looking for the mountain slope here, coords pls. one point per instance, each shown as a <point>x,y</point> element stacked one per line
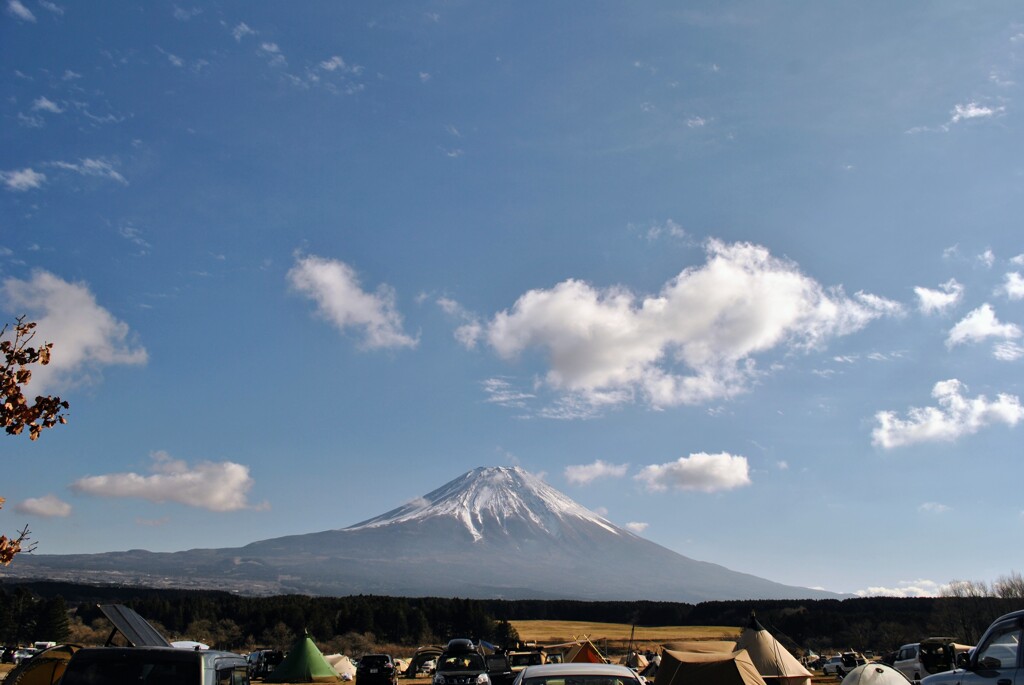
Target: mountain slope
<point>492,532</point>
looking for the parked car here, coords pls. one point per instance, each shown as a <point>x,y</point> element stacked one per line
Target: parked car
<point>578,674</point>
<point>932,655</point>
<point>24,654</point>
<point>996,659</point>
<point>155,666</point>
<point>841,664</point>
<point>520,660</point>
<point>464,663</point>
<point>376,669</point>
<point>262,661</point>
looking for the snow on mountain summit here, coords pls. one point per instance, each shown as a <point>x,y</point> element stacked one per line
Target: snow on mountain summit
<point>493,495</point>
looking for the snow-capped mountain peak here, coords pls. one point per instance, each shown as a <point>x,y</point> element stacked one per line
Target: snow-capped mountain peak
<point>494,496</point>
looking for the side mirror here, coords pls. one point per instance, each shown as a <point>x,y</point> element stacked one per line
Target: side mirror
<point>962,659</point>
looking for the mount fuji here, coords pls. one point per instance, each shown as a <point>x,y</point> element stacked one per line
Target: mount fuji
<point>494,532</point>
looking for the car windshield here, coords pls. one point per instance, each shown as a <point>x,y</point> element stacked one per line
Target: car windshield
<point>581,680</point>
<point>375,660</point>
<point>462,662</point>
<point>525,659</point>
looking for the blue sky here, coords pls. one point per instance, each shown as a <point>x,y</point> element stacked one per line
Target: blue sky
<point>743,277</point>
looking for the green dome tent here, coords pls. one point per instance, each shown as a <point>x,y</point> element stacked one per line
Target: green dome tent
<point>304,664</point>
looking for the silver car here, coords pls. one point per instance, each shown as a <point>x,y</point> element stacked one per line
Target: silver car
<point>578,674</point>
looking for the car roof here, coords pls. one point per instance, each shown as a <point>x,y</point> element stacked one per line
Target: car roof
<point>551,670</point>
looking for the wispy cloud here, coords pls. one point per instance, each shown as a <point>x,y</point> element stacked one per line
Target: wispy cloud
<point>711,320</point>
<point>44,104</point>
<point>335,287</point>
<point>637,526</point>
<point>86,337</point>
<point>99,168</point>
<point>22,179</point>
<point>47,506</point>
<point>500,391</point>
<point>16,9</point>
<point>701,471</point>
<point>905,588</point>
<point>955,417</point>
<point>931,301</point>
<point>242,30</point>
<point>584,474</point>
<point>933,508</point>
<point>215,486</point>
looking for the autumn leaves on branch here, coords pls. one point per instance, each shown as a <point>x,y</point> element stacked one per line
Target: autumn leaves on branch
<point>16,413</point>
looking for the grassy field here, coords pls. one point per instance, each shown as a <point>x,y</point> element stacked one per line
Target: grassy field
<point>616,635</point>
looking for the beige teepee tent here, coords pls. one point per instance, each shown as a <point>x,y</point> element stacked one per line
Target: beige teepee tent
<point>707,668</point>
<point>773,661</point>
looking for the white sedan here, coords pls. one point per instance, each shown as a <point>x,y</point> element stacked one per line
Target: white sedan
<point>578,674</point>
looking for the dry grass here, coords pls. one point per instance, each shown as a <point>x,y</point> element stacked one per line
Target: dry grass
<point>615,636</point>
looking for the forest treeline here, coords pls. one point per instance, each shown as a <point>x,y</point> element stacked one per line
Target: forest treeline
<point>65,612</point>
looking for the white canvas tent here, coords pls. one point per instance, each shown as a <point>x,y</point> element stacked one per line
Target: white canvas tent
<point>875,674</point>
<point>773,661</point>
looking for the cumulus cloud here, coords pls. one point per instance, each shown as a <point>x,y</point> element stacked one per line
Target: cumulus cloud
<point>16,9</point>
<point>1013,286</point>
<point>584,474</point>
<point>22,179</point>
<point>700,471</point>
<point>334,286</point>
<point>905,588</point>
<point>936,301</point>
<point>85,336</point>
<point>99,168</point>
<point>694,341</point>
<point>216,486</point>
<point>955,417</point>
<point>47,506</point>
<point>637,526</point>
<point>980,325</point>
<point>469,333</point>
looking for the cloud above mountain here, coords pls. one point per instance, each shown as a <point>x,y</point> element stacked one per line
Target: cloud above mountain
<point>694,342</point>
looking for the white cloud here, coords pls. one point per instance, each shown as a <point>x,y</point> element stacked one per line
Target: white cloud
<point>216,486</point>
<point>980,325</point>
<point>973,110</point>
<point>15,8</point>
<point>935,301</point>
<point>1013,286</point>
<point>469,333</point>
<point>905,588</point>
<point>45,104</point>
<point>1018,260</point>
<point>93,167</point>
<point>584,474</point>
<point>955,417</point>
<point>85,336</point>
<point>424,77</point>
<point>334,286</point>
<point>637,526</point>
<point>933,508</point>
<point>241,31</point>
<point>47,506</point>
<point>1007,351</point>
<point>700,471</point>
<point>987,259</point>
<point>22,179</point>
<point>693,342</point>
<point>52,7</point>
<point>500,391</point>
